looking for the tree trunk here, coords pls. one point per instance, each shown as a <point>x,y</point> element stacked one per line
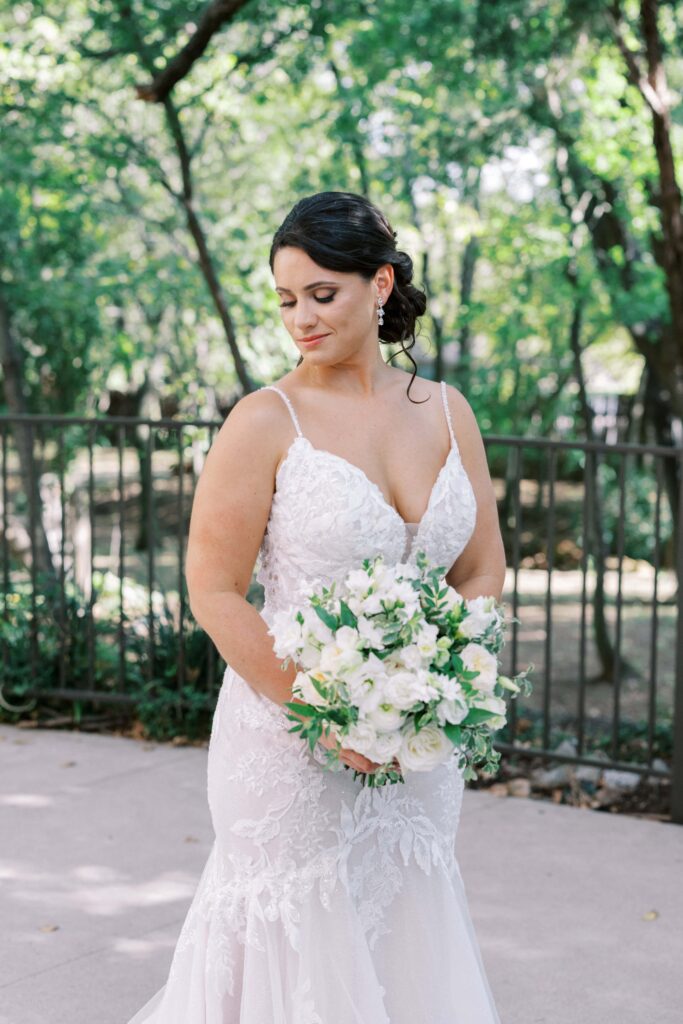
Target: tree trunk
<point>23,433</point>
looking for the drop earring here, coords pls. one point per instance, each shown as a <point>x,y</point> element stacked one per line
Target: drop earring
<point>380,310</point>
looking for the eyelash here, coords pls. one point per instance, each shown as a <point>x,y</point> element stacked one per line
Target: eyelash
<point>327,298</point>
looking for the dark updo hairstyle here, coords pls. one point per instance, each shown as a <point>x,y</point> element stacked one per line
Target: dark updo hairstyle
<point>346,232</point>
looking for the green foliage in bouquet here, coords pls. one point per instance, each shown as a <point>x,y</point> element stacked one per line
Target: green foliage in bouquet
<point>328,705</point>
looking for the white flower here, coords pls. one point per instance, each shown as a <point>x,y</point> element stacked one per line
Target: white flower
<point>366,684</point>
<point>442,685</point>
<point>304,688</point>
<point>385,718</point>
<point>315,626</point>
<point>495,704</point>
<point>358,582</point>
<point>452,709</point>
<point>369,604</point>
<point>408,570</point>
<point>481,615</point>
<point>476,658</point>
<point>341,654</point>
<point>404,689</point>
<point>287,633</point>
<point>403,592</point>
<point>411,657</point>
<point>424,750</point>
<point>361,737</point>
<point>371,633</point>
<point>385,747</point>
<point>425,641</point>
<point>453,599</point>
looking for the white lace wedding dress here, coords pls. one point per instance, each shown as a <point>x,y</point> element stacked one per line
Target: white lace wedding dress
<point>323,901</point>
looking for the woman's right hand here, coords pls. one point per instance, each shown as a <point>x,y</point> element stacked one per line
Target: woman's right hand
<point>348,756</point>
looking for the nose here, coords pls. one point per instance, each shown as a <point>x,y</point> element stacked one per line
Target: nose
<point>305,315</point>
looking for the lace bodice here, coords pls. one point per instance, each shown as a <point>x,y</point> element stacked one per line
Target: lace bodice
<point>327,516</point>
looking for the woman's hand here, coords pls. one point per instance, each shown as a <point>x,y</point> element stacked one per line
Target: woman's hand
<point>348,756</point>
<point>351,757</point>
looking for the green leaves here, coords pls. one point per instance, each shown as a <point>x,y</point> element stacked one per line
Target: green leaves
<point>476,716</point>
<point>347,616</point>
<point>331,621</point>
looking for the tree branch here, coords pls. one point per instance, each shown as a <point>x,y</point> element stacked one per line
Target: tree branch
<point>632,61</point>
<point>215,15</point>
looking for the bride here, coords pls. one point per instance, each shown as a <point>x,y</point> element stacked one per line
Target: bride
<point>324,901</point>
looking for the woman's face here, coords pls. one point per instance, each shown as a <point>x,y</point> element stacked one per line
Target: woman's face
<point>315,301</point>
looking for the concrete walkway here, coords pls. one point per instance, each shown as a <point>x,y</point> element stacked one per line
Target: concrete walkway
<point>579,914</point>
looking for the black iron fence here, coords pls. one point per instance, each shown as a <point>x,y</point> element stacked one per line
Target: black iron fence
<point>93,524</point>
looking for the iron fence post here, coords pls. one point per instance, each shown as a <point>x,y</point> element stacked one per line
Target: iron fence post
<point>677,761</point>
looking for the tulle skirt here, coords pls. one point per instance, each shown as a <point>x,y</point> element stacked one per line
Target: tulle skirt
<point>322,901</point>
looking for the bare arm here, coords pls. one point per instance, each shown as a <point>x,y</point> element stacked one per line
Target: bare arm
<point>229,516</point>
<point>480,569</point>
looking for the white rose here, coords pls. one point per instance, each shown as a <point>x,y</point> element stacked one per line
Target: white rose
<point>421,751</point>
<point>404,689</point>
<point>392,662</point>
<point>476,658</point>
<point>385,718</point>
<point>385,747</point>
<point>361,737</point>
<point>481,615</point>
<point>411,657</point>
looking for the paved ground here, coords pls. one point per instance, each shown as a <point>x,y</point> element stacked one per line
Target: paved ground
<point>579,914</point>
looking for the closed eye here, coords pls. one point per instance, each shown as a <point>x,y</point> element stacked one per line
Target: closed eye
<point>318,298</point>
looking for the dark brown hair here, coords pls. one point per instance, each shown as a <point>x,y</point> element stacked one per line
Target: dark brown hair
<point>346,232</point>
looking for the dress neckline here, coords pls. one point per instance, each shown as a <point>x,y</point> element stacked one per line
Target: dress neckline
<point>374,487</point>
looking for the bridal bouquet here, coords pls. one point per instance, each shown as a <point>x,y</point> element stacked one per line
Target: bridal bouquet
<point>399,667</point>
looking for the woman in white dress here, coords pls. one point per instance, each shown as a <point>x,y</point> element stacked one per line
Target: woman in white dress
<point>323,901</point>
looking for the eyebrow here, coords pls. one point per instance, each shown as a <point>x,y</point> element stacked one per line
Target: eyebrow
<point>308,287</point>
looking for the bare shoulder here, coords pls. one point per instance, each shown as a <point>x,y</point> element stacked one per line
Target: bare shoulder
<point>256,427</point>
<point>466,429</point>
<point>464,422</point>
<point>233,496</point>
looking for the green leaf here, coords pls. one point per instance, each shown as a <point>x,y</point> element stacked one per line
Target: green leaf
<point>330,621</point>
<point>454,733</point>
<point>346,615</point>
<point>478,715</point>
<point>301,709</point>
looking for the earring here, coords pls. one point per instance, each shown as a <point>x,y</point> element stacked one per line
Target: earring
<point>380,310</point>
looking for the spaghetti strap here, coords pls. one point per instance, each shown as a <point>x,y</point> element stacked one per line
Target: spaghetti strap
<point>273,387</point>
<point>444,399</point>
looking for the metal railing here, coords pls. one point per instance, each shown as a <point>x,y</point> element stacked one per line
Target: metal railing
<point>94,517</point>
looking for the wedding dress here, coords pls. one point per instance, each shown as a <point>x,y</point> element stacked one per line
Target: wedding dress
<point>323,901</point>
